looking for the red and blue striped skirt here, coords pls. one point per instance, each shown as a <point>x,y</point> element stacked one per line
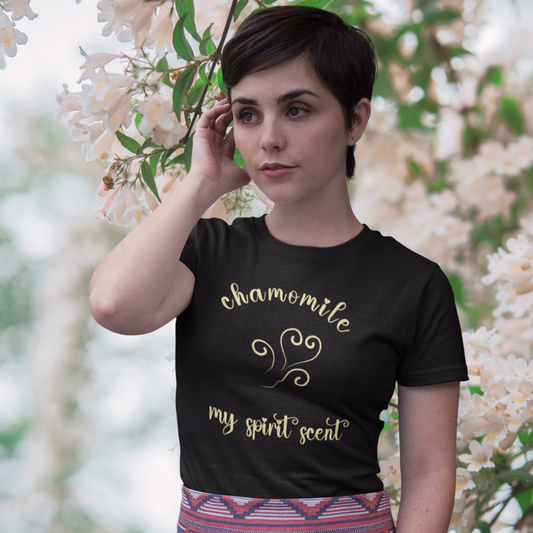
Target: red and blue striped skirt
<point>203,512</point>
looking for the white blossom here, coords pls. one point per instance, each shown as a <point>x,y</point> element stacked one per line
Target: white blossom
<point>19,9</point>
<point>463,481</point>
<point>479,456</point>
<point>463,517</point>
<point>480,342</point>
<point>10,36</point>
<point>448,138</point>
<point>122,207</point>
<point>159,121</point>
<point>93,62</point>
<point>129,19</point>
<point>390,472</point>
<point>160,37</point>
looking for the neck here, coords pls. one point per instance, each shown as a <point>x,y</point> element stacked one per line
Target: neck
<point>323,225</point>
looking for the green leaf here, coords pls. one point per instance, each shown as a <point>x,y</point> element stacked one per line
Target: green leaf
<point>164,158</point>
<point>454,51</point>
<point>12,435</point>
<point>129,143</point>
<point>515,475</point>
<point>178,160</point>
<point>525,437</point>
<point>241,4</point>
<point>148,143</point>
<point>475,389</point>
<point>181,45</point>
<point>185,7</point>
<point>422,76</point>
<point>162,65</point>
<point>383,86</point>
<point>237,158</point>
<point>524,499</point>
<point>202,73</point>
<point>440,17</point>
<point>482,526</point>
<point>211,47</point>
<point>154,159</point>
<point>183,84</point>
<point>220,81</point>
<point>409,117</point>
<point>457,286</point>
<point>494,75</point>
<point>320,4</point>
<point>167,81</point>
<point>511,113</point>
<point>148,177</point>
<point>206,37</point>
<point>195,93</point>
<point>188,153</point>
<point>414,168</point>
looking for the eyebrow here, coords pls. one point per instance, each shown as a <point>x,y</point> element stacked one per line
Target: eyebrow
<point>283,98</point>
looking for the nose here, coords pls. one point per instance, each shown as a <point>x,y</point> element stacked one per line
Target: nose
<point>272,136</point>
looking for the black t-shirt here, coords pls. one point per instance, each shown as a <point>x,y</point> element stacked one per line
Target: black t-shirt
<point>288,354</point>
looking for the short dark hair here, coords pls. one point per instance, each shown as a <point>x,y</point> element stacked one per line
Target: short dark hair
<point>341,56</point>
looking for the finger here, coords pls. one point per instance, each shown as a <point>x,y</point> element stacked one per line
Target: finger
<point>229,144</point>
<point>208,118</point>
<point>222,123</point>
<point>230,139</point>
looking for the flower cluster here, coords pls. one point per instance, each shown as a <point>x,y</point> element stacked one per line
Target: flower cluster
<point>511,271</point>
<point>10,37</point>
<point>387,198</point>
<point>134,118</point>
<point>137,21</point>
<point>480,181</point>
<point>109,102</point>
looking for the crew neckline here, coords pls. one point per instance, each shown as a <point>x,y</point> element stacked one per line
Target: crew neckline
<point>316,253</point>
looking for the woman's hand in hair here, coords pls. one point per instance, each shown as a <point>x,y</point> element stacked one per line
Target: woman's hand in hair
<point>213,151</point>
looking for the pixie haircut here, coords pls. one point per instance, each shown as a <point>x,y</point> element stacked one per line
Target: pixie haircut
<point>341,56</point>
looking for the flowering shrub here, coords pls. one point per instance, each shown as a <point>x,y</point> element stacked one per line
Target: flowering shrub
<point>446,166</point>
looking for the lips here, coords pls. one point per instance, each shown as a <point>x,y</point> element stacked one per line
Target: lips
<point>274,166</point>
<point>276,170</point>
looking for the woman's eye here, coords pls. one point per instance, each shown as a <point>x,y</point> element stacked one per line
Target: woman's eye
<point>246,116</point>
<point>297,111</point>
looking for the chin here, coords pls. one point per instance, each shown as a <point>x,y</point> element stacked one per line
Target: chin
<point>278,193</point>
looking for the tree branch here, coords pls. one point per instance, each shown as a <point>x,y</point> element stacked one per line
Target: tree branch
<point>216,57</point>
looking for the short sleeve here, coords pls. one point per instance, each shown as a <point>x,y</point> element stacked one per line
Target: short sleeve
<point>188,255</point>
<point>437,350</point>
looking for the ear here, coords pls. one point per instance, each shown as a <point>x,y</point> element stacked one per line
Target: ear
<point>361,114</point>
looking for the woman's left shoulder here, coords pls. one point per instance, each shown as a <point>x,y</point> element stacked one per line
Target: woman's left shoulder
<point>404,260</point>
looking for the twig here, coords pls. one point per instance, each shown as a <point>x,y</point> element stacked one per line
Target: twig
<point>216,57</point>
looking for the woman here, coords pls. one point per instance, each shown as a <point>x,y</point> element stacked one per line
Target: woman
<point>293,328</point>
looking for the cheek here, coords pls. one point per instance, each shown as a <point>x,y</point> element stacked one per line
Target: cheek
<point>244,142</point>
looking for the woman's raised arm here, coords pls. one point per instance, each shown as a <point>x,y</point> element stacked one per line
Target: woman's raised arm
<point>142,284</point>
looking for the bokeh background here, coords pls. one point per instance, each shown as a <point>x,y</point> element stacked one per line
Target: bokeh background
<point>85,431</point>
<point>86,416</point>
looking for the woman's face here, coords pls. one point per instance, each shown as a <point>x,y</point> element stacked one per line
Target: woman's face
<point>292,133</point>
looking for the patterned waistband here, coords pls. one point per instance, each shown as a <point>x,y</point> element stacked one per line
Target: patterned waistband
<point>215,513</point>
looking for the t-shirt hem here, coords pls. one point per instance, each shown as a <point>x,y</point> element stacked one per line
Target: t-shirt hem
<point>444,377</point>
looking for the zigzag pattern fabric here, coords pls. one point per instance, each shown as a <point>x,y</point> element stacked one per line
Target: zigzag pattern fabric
<point>203,512</point>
